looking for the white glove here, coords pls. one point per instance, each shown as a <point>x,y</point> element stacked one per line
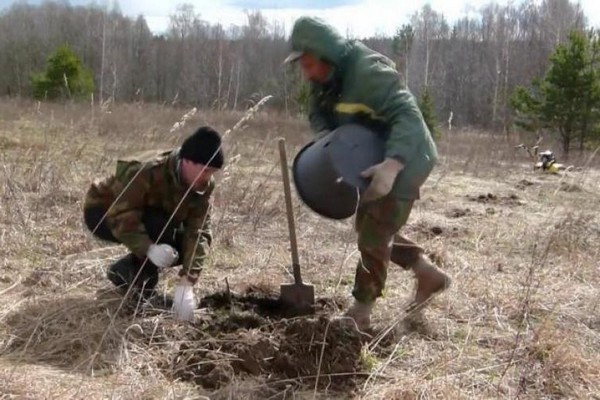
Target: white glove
<point>162,255</point>
<point>184,302</point>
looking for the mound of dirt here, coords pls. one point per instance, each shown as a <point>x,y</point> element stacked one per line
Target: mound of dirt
<point>570,187</point>
<point>300,350</point>
<point>491,198</point>
<point>523,184</point>
<point>430,231</point>
<point>254,335</point>
<point>458,212</point>
<point>264,302</point>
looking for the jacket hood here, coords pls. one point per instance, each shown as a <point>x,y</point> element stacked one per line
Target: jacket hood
<point>313,35</point>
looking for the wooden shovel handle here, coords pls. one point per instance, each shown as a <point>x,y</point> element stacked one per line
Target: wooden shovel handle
<point>289,210</point>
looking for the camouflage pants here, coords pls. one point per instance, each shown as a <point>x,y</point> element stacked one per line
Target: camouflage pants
<point>377,225</point>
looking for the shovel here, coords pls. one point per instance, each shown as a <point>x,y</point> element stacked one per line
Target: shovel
<point>297,294</point>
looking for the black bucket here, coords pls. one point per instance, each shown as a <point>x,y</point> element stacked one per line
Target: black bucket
<point>327,172</point>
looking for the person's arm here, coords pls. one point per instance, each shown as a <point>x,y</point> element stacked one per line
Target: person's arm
<point>398,108</point>
<point>197,238</point>
<point>382,98</point>
<point>196,243</point>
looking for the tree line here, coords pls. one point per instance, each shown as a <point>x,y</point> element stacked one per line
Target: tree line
<point>471,71</point>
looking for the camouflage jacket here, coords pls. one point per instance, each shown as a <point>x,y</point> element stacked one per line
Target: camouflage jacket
<point>151,179</point>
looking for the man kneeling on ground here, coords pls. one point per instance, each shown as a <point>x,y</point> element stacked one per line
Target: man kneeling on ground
<point>157,204</point>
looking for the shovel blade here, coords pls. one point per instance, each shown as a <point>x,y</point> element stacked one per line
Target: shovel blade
<point>298,295</point>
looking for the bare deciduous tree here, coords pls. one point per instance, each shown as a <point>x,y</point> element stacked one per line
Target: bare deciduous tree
<point>469,67</point>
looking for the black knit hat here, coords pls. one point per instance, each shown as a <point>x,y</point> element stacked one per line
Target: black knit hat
<point>200,147</point>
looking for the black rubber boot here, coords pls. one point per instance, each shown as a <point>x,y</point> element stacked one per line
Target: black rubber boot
<point>123,272</point>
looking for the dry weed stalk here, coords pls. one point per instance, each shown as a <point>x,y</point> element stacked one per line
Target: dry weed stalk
<point>181,123</point>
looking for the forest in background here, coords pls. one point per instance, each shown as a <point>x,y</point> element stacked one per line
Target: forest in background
<point>469,68</point>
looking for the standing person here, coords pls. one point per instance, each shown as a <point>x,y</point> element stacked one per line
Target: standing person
<point>157,204</point>
<point>350,83</point>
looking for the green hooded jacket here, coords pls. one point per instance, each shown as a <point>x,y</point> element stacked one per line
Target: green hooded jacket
<point>364,87</point>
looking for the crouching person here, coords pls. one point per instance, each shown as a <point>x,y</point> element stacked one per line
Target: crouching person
<point>157,204</point>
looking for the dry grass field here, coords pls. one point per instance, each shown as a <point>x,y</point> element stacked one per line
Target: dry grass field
<point>522,319</point>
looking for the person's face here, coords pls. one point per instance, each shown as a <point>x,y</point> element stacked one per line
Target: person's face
<point>314,69</point>
<point>197,174</point>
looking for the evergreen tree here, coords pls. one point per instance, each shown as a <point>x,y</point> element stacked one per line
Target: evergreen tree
<point>428,110</point>
<point>567,99</point>
<point>64,77</point>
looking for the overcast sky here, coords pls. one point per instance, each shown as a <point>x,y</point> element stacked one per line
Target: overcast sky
<point>357,18</point>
